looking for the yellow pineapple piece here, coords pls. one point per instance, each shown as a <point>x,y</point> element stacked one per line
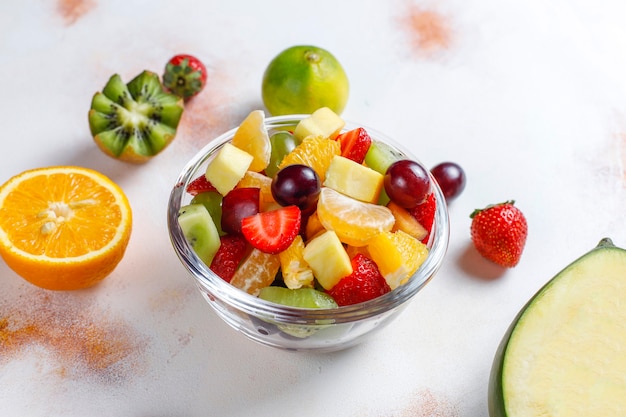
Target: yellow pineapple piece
<point>398,255</point>
<point>228,168</point>
<point>328,259</point>
<point>323,122</point>
<point>296,272</point>
<point>353,179</point>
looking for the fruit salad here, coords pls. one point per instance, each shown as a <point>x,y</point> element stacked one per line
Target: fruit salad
<point>317,217</point>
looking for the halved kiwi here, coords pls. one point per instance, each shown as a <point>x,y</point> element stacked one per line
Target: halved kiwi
<point>135,121</point>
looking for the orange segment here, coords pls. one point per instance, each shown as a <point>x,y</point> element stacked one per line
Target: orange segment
<point>315,152</point>
<point>313,226</point>
<point>63,228</point>
<point>296,272</point>
<point>252,137</point>
<point>256,271</point>
<point>257,180</point>
<point>355,222</point>
<point>398,255</point>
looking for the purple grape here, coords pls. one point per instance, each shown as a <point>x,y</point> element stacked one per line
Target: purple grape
<point>407,183</point>
<point>237,204</point>
<point>451,179</point>
<point>297,185</point>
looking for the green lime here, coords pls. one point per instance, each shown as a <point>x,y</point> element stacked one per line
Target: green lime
<point>302,79</point>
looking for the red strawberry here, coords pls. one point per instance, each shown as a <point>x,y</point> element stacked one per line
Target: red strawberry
<point>199,185</point>
<point>499,233</point>
<point>425,214</point>
<point>355,144</point>
<point>184,75</point>
<point>363,284</point>
<point>232,250</point>
<point>272,231</point>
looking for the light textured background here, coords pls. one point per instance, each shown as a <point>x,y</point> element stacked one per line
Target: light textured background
<point>529,97</point>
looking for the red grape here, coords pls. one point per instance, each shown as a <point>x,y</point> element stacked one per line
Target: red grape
<point>297,185</point>
<point>451,179</point>
<point>407,183</point>
<point>237,204</point>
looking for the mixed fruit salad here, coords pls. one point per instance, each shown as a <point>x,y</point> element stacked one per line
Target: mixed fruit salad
<point>317,217</point>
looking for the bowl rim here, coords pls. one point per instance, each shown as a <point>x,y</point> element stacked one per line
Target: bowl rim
<point>221,290</point>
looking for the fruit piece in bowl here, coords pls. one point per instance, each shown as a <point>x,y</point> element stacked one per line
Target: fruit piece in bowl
<point>327,215</point>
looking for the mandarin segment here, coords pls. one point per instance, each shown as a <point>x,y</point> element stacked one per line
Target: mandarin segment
<point>253,179</point>
<point>256,271</point>
<point>355,222</point>
<point>63,228</point>
<point>296,271</point>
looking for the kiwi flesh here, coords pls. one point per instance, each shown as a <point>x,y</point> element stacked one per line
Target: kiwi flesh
<point>200,231</point>
<point>135,121</point>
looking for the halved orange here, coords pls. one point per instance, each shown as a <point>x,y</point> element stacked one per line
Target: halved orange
<point>64,227</point>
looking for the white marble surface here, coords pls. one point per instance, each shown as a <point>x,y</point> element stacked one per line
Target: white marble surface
<point>528,96</point>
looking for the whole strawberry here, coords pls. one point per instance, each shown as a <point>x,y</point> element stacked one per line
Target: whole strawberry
<point>499,233</point>
<point>185,75</point>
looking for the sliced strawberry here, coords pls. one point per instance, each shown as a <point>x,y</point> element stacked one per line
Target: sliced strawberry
<point>355,144</point>
<point>232,250</point>
<point>272,231</point>
<point>363,284</point>
<point>199,185</point>
<point>425,214</point>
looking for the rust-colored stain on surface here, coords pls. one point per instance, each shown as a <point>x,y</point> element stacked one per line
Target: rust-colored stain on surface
<point>72,10</point>
<point>429,30</point>
<point>207,114</point>
<point>79,340</point>
<point>427,404</point>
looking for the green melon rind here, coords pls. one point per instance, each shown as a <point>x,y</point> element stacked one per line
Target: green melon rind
<point>496,400</point>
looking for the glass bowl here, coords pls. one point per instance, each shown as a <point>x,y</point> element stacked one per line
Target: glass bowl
<point>298,329</point>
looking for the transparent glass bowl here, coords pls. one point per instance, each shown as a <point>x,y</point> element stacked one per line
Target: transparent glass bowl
<point>295,328</point>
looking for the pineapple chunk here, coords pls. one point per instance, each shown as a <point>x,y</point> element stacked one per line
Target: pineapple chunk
<point>398,255</point>
<point>323,122</point>
<point>328,259</point>
<point>353,179</point>
<point>228,168</point>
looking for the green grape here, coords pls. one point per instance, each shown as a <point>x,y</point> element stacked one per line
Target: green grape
<point>282,143</point>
